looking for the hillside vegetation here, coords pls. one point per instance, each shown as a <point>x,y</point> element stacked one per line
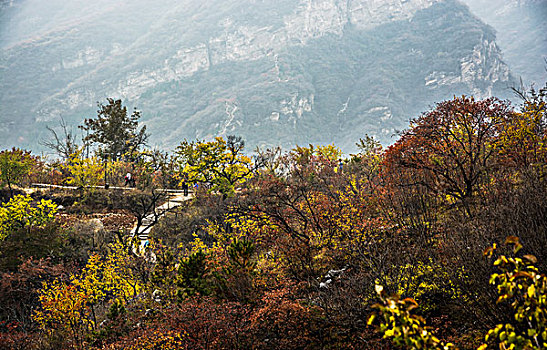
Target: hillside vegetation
<point>435,242</point>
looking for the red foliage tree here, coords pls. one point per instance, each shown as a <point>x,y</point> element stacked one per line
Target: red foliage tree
<point>452,146</point>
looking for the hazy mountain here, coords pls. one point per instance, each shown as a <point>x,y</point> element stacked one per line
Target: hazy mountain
<point>521,27</point>
<point>273,71</point>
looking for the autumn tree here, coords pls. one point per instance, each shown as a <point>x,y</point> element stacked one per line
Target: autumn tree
<point>155,169</point>
<point>328,153</point>
<point>452,145</point>
<point>27,229</point>
<point>363,168</point>
<point>84,173</point>
<point>116,133</point>
<point>76,306</point>
<point>150,168</point>
<point>19,213</point>
<point>19,297</point>
<point>309,218</point>
<point>272,160</point>
<point>523,135</point>
<point>220,163</point>
<point>15,164</point>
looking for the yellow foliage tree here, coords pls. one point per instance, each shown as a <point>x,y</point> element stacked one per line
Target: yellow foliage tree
<point>74,307</point>
<point>219,163</point>
<point>329,153</point>
<point>20,213</point>
<point>84,172</point>
<point>523,135</point>
<point>15,164</point>
<point>64,307</point>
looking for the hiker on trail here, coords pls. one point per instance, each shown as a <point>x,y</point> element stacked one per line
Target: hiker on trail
<point>129,180</point>
<point>185,187</point>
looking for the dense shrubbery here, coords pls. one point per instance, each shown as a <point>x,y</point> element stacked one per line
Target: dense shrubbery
<point>519,282</point>
<point>286,251</point>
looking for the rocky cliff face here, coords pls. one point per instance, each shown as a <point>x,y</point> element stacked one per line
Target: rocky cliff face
<point>521,28</point>
<point>275,72</point>
<point>311,19</point>
<point>479,71</point>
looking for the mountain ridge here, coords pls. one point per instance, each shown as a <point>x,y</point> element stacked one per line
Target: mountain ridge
<point>254,79</point>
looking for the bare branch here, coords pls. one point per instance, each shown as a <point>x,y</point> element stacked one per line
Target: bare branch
<point>64,145</point>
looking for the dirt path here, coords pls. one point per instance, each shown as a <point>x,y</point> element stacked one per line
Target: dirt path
<point>173,201</point>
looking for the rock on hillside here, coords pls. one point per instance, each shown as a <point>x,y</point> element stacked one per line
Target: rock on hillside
<point>521,28</point>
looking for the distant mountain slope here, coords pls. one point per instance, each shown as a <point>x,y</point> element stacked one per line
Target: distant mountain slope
<point>273,71</point>
<point>521,27</point>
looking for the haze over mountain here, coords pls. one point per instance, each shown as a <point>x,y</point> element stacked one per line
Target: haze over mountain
<point>277,72</point>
